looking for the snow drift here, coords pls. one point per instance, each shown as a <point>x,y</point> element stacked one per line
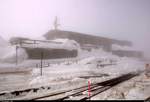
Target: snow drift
<point>9,54</point>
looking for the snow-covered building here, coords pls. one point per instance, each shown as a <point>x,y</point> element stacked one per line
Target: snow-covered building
<point>84,39</point>
<point>48,49</point>
<point>88,42</point>
<point>66,44</point>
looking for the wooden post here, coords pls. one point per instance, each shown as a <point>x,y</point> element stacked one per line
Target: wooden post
<point>41,62</point>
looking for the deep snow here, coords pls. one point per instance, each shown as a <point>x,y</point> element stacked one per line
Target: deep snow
<point>69,73</point>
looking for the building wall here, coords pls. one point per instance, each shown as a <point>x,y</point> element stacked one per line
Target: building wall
<point>82,39</point>
<point>122,53</point>
<point>105,43</point>
<point>36,53</point>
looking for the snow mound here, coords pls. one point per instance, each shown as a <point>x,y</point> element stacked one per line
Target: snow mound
<point>3,43</point>
<point>39,80</point>
<point>98,52</point>
<point>69,44</point>
<point>135,94</point>
<point>118,47</point>
<point>9,54</point>
<point>98,55</point>
<point>88,60</point>
<point>3,47</point>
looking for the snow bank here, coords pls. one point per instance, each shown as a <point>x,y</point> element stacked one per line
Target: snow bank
<point>89,60</point>
<point>97,53</point>
<point>3,42</point>
<point>82,68</point>
<point>124,66</point>
<point>97,56</point>
<point>69,44</point>
<point>3,46</point>
<point>9,54</point>
<point>118,47</point>
<point>137,88</point>
<point>135,94</point>
<point>40,80</point>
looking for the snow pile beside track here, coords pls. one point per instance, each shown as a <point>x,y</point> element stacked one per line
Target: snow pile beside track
<point>137,88</point>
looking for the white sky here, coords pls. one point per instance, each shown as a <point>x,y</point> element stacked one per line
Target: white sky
<point>120,19</point>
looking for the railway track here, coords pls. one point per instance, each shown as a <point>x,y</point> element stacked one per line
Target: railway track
<point>80,93</point>
<point>96,89</point>
<point>17,93</point>
<point>147,99</point>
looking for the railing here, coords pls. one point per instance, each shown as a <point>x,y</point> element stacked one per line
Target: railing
<point>29,41</point>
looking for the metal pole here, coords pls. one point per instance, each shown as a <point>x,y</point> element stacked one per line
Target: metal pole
<point>16,55</point>
<point>41,62</point>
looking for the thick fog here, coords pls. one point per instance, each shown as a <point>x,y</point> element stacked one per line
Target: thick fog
<point>120,19</point>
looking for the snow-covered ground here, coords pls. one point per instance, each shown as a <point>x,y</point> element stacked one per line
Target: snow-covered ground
<point>137,88</point>
<point>68,73</point>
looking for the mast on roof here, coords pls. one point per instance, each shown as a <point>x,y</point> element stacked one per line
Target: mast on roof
<point>56,24</point>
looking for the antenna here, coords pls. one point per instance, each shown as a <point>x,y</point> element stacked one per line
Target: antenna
<point>56,23</point>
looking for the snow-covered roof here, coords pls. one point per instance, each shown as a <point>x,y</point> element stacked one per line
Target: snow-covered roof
<point>56,43</point>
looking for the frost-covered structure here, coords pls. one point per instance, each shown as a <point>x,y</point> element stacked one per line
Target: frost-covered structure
<point>126,51</point>
<point>84,39</point>
<point>49,49</point>
<point>88,42</point>
<point>10,55</point>
<point>8,52</point>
